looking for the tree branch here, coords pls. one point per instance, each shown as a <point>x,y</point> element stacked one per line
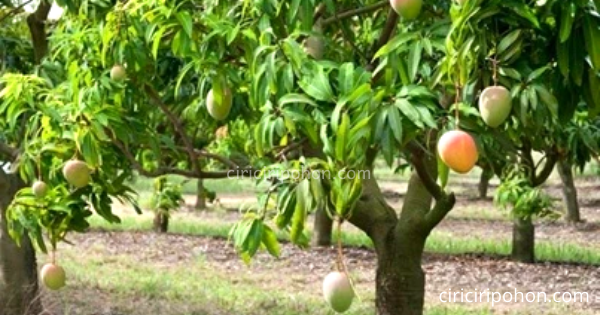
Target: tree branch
<point>355,12</point>
<point>177,125</point>
<point>418,161</point>
<point>540,178</point>
<point>291,147</point>
<point>217,157</point>
<point>15,10</point>
<point>386,34</point>
<point>440,210</point>
<point>8,151</point>
<point>372,214</point>
<point>199,174</point>
<point>388,30</point>
<point>37,27</point>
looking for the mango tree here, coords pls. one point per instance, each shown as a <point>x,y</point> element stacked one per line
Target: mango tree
<point>507,52</point>
<point>18,273</point>
<point>323,90</point>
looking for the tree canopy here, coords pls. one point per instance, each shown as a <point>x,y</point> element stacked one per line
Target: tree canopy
<point>316,86</point>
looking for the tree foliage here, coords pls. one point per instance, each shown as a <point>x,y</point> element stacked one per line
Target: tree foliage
<point>380,89</point>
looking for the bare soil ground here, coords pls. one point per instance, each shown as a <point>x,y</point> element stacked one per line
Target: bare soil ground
<point>302,270</point>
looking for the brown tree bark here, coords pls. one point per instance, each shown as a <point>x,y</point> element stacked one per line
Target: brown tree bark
<point>18,269</point>
<point>569,191</point>
<point>323,226</point>
<point>399,240</point>
<point>161,221</point>
<point>523,249</point>
<point>200,196</point>
<point>19,290</point>
<point>523,234</point>
<point>484,183</point>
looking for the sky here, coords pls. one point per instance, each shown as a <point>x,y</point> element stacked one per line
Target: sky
<point>55,12</point>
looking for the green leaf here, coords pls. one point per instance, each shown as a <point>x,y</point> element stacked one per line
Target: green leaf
<point>395,43</point>
<point>409,111</point>
<point>255,237</point>
<point>508,41</point>
<point>577,59</point>
<point>525,11</point>
<point>294,98</point>
<point>511,73</point>
<point>414,60</point>
<point>346,78</point>
<point>535,74</point>
<point>327,143</point>
<point>395,123</point>
<point>269,239</point>
<point>186,22</point>
<point>566,21</point>
<point>341,138</point>
<point>286,204</point>
<point>158,38</point>
<point>318,86</point>
<point>591,33</point>
<point>563,58</point>
<point>301,211</point>
<point>592,94</point>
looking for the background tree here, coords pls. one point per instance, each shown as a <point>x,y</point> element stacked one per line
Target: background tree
<point>510,51</point>
<point>167,197</point>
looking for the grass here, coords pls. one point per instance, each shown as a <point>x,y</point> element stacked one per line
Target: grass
<point>220,186</point>
<point>197,288</point>
<point>438,242</point>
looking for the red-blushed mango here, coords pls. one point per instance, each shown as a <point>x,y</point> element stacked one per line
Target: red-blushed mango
<point>118,73</point>
<point>77,173</point>
<point>495,105</point>
<point>458,151</point>
<point>338,291</point>
<point>39,189</point>
<point>53,276</point>
<point>220,110</point>
<point>407,9</point>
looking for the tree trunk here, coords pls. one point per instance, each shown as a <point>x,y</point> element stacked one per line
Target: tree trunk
<point>569,191</point>
<point>399,241</point>
<point>523,247</point>
<point>18,268</point>
<point>400,280</point>
<point>200,196</point>
<point>484,183</point>
<point>322,228</point>
<point>161,221</point>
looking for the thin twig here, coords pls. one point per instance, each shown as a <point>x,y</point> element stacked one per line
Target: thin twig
<point>14,11</point>
<point>354,12</point>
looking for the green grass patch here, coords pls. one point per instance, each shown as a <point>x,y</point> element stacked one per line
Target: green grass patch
<point>438,242</point>
<point>228,186</point>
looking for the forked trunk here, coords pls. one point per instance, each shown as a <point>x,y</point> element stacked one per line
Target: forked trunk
<point>200,196</point>
<point>523,246</point>
<point>18,268</point>
<point>569,191</point>
<point>399,242</point>
<point>322,228</point>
